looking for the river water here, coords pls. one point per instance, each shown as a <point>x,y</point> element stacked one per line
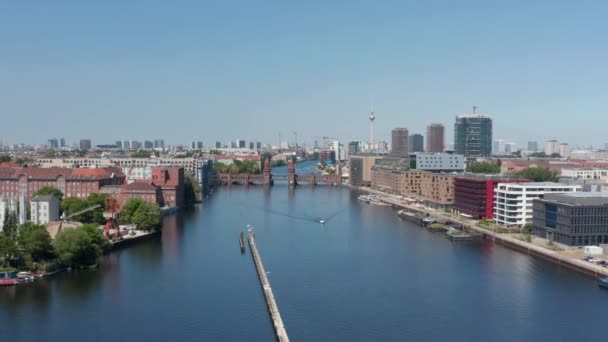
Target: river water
<point>365,275</point>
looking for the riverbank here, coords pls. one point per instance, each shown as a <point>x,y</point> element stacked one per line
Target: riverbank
<point>566,256</point>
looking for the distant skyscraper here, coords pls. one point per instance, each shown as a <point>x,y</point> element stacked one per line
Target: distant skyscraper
<point>218,144</point>
<point>158,143</point>
<point>252,145</point>
<point>532,146</point>
<point>416,143</point>
<point>62,142</point>
<point>85,144</point>
<point>353,147</point>
<point>119,143</point>
<point>53,143</point>
<point>552,146</point>
<point>148,144</point>
<point>399,142</point>
<point>233,144</point>
<point>498,146</point>
<point>242,143</point>
<point>564,150</point>
<point>199,145</point>
<point>473,135</point>
<point>510,147</point>
<point>258,145</point>
<point>135,144</point>
<point>435,138</point>
<point>126,144</point>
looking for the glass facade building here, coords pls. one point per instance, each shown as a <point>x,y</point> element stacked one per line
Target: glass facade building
<point>473,135</point>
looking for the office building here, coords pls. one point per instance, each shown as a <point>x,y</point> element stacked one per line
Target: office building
<point>158,143</point>
<point>573,219</point>
<point>62,142</point>
<point>353,147</point>
<point>437,162</point>
<point>241,143</point>
<point>85,144</point>
<point>532,146</point>
<point>399,143</point>
<point>118,144</point>
<point>361,168</point>
<point>416,143</point>
<point>473,135</point>
<point>252,145</point>
<point>53,143</point>
<point>498,147</point>
<point>136,144</point>
<point>513,201</point>
<point>44,209</point>
<point>218,144</point>
<point>148,144</point>
<point>435,136</point>
<point>474,194</point>
<point>258,145</point>
<point>564,150</point>
<point>551,147</point>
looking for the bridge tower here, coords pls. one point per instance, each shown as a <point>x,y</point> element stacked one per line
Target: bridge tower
<point>292,173</point>
<point>266,173</point>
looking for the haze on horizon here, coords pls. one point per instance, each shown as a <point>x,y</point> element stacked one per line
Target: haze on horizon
<point>226,70</point>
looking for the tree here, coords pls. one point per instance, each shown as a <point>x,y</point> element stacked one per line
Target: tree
<point>49,190</point>
<point>96,215</point>
<point>72,205</point>
<point>8,249</point>
<point>5,158</point>
<point>141,154</point>
<point>555,155</point>
<point>192,190</point>
<point>35,240</point>
<point>75,248</point>
<point>97,238</point>
<point>129,209</point>
<point>538,174</point>
<point>10,223</point>
<point>483,167</point>
<point>147,217</point>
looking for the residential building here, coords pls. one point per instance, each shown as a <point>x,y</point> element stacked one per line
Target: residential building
<point>573,219</point>
<point>85,144</point>
<point>438,162</point>
<point>118,143</point>
<point>473,135</point>
<point>513,201</point>
<point>218,144</point>
<point>387,173</point>
<point>533,146</point>
<point>252,145</point>
<point>62,142</point>
<point>159,143</point>
<point>126,144</point>
<point>241,143</point>
<point>53,143</point>
<point>416,143</point>
<point>474,194</point>
<point>148,144</point>
<point>552,146</point>
<point>436,190</point>
<point>361,168</point>
<point>44,209</point>
<point>498,147</point>
<point>435,138</point>
<point>258,145</point>
<point>199,145</point>
<point>399,143</point>
<point>585,173</point>
<point>327,157</point>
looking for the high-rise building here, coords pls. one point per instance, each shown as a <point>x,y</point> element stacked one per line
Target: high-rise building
<point>353,147</point>
<point>498,146</point>
<point>119,143</point>
<point>435,138</point>
<point>218,144</point>
<point>510,147</point>
<point>399,143</point>
<point>473,135</point>
<point>148,144</point>
<point>158,143</point>
<point>416,143</point>
<point>135,144</point>
<point>532,146</point>
<point>233,144</point>
<point>252,145</point>
<point>551,146</point>
<point>242,143</point>
<point>258,145</point>
<point>199,145</point>
<point>126,144</point>
<point>62,142</point>
<point>564,150</point>
<point>53,143</point>
<point>85,144</point>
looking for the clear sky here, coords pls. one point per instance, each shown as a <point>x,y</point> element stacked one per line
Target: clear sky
<point>230,69</point>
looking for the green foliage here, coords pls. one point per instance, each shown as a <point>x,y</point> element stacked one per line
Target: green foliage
<point>5,158</point>
<point>129,209</point>
<point>313,156</point>
<point>49,190</point>
<point>10,223</point>
<point>8,250</point>
<point>239,166</point>
<point>544,155</point>
<point>147,217</point>
<point>75,248</point>
<point>538,174</point>
<point>72,205</point>
<point>97,238</point>
<point>192,190</point>
<point>141,154</point>
<point>527,229</point>
<point>96,215</point>
<point>35,240</point>
<point>278,163</point>
<point>483,167</point>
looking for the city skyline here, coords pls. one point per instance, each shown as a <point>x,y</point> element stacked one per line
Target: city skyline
<point>236,73</point>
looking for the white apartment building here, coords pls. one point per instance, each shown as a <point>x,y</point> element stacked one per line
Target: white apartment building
<point>586,173</point>
<point>552,146</point>
<point>45,208</point>
<point>513,201</point>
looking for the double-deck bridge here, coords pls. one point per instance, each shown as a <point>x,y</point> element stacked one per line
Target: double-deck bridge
<point>267,178</point>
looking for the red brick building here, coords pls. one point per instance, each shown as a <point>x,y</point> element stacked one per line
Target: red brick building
<point>170,181</point>
<point>143,189</point>
<point>72,182</point>
<point>474,194</point>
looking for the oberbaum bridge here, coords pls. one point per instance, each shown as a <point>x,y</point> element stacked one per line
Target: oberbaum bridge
<point>267,178</point>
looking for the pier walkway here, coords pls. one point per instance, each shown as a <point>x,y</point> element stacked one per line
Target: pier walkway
<point>273,309</point>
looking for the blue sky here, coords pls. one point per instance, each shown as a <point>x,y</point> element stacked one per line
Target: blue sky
<point>229,69</point>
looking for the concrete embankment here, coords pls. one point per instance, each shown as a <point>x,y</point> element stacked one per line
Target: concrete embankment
<point>273,309</point>
<point>503,239</point>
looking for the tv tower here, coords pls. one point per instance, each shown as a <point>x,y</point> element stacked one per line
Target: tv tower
<point>372,117</point>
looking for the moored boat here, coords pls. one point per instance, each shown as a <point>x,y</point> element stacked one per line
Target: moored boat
<point>603,282</point>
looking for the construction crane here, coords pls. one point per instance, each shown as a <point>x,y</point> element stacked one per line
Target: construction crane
<point>65,218</point>
<point>113,209</point>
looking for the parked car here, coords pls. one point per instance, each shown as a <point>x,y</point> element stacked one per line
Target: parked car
<point>601,262</point>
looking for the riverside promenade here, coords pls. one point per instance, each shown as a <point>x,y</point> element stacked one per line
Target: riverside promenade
<point>567,256</point>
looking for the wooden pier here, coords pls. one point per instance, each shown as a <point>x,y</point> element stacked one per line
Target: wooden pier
<point>273,309</point>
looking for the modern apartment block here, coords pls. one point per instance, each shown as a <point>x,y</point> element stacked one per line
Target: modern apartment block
<point>574,219</point>
<point>473,135</point>
<point>474,194</point>
<point>44,209</point>
<point>439,162</point>
<point>436,190</point>
<point>513,201</point>
<point>586,173</point>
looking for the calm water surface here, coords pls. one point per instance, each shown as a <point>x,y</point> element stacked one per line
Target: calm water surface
<point>366,275</point>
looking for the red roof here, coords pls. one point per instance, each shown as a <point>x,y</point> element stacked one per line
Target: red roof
<point>141,186</point>
<point>237,157</point>
<point>54,172</point>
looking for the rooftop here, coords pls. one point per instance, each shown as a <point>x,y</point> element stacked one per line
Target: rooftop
<point>595,198</point>
<point>43,198</point>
